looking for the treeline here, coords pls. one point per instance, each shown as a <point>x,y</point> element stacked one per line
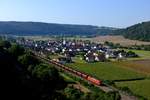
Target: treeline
<point>140,47</point>
<point>139,31</point>
<point>39,28</point>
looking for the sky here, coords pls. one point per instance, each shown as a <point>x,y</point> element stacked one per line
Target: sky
<point>112,13</point>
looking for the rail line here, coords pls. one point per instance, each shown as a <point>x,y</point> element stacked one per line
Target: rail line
<point>98,83</point>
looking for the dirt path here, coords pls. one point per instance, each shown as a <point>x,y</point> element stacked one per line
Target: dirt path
<point>127,97</point>
<point>124,95</point>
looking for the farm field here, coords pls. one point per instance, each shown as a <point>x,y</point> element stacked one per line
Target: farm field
<point>141,66</point>
<point>140,87</point>
<point>106,70</point>
<point>118,39</point>
<point>37,38</point>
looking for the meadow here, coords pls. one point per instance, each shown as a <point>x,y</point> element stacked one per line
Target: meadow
<point>141,66</point>
<point>106,70</point>
<point>140,87</point>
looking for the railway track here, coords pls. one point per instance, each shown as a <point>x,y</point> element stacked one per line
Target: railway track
<point>104,87</point>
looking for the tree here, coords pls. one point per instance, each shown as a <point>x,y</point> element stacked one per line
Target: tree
<point>73,93</point>
<point>16,50</point>
<point>131,54</point>
<point>136,32</point>
<point>45,72</point>
<point>27,59</point>
<point>5,44</point>
<point>47,81</point>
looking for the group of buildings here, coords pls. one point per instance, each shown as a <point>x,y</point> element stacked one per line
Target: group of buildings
<point>90,52</point>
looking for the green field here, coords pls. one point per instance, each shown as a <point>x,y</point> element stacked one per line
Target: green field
<point>106,70</point>
<point>142,54</point>
<point>78,59</point>
<point>140,87</point>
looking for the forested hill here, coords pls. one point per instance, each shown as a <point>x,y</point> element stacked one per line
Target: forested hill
<point>139,31</point>
<point>39,28</point>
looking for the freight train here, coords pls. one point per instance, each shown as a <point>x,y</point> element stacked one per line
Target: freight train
<point>78,73</point>
<point>73,71</point>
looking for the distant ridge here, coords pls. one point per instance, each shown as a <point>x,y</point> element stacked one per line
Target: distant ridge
<point>40,28</point>
<point>139,31</point>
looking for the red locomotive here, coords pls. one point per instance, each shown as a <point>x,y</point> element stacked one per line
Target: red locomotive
<point>94,80</point>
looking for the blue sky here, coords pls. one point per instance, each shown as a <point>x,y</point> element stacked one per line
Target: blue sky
<point>113,13</point>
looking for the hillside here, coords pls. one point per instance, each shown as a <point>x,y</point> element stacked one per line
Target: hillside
<point>39,28</point>
<point>139,31</point>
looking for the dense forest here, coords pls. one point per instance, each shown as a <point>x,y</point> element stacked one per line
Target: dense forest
<point>39,28</point>
<point>139,31</point>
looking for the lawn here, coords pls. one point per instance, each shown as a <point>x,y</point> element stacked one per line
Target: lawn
<point>140,87</point>
<point>78,59</point>
<point>106,70</point>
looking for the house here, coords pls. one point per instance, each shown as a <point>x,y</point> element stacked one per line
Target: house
<point>90,58</point>
<point>94,57</point>
<point>110,54</point>
<point>101,57</point>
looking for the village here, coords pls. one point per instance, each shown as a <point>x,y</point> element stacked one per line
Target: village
<point>63,50</point>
